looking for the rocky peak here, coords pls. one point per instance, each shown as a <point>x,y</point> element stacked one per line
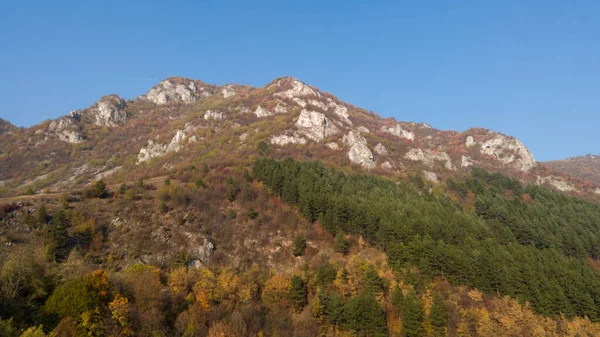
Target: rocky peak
<point>177,90</point>
<point>290,87</point>
<point>509,151</point>
<point>108,111</point>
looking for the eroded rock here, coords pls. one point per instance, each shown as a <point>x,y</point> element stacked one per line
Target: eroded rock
<point>398,131</point>
<point>214,115</point>
<point>428,157</point>
<point>380,149</point>
<point>109,111</point>
<point>170,92</point>
<point>315,125</point>
<point>431,176</point>
<point>509,151</point>
<point>285,139</point>
<point>260,112</point>
<point>359,153</point>
<point>466,161</point>
<point>470,141</point>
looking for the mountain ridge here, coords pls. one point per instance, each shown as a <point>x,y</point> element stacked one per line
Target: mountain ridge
<point>286,114</point>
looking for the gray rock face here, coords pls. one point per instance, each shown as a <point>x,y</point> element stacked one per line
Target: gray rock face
<point>169,92</point>
<point>70,136</point>
<point>470,141</point>
<point>153,150</point>
<point>260,112</point>
<point>387,165</point>
<point>109,111</point>
<point>398,131</point>
<point>428,157</point>
<point>281,108</point>
<point>340,111</point>
<point>597,191</point>
<point>298,89</point>
<point>60,124</point>
<point>214,115</point>
<point>333,146</point>
<point>430,176</point>
<point>509,151</point>
<point>315,125</point>
<point>380,149</point>
<point>466,161</point>
<point>285,140</point>
<point>359,153</point>
<point>201,255</point>
<point>228,91</point>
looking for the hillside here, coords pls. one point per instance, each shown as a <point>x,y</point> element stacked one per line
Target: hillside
<point>181,122</point>
<point>204,210</point>
<point>583,167</point>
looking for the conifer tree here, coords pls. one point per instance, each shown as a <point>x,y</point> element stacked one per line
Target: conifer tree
<point>412,315</point>
<point>297,293</point>
<point>438,315</point>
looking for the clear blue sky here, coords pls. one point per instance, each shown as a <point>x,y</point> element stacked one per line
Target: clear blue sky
<point>525,68</point>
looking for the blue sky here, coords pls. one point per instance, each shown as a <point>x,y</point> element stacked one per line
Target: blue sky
<point>530,69</point>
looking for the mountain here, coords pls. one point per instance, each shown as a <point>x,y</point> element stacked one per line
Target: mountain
<point>181,122</point>
<point>204,210</point>
<point>6,126</point>
<point>583,167</point>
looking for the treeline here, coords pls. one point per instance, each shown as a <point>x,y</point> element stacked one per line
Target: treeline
<point>522,241</point>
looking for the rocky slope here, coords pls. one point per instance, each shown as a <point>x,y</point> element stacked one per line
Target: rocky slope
<point>583,167</point>
<point>180,122</point>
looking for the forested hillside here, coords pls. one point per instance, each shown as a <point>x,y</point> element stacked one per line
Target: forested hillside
<point>523,241</point>
<point>292,248</point>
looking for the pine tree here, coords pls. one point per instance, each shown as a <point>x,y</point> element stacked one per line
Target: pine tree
<point>42,215</point>
<point>297,294</point>
<point>397,298</point>
<point>438,315</point>
<point>364,315</point>
<point>412,312</point>
<point>122,188</point>
<point>318,307</point>
<point>299,245</point>
<point>340,245</point>
<point>334,308</point>
<point>99,189</point>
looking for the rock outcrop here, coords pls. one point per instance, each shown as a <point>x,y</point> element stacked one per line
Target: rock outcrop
<point>168,91</point>
<point>228,91</point>
<point>153,150</point>
<point>429,157</point>
<point>109,111</point>
<point>70,136</point>
<point>315,125</point>
<point>359,153</point>
<point>297,88</point>
<point>380,149</point>
<point>466,161</point>
<point>260,112</point>
<point>431,176</point>
<point>469,142</point>
<point>387,165</point>
<point>398,131</point>
<point>214,115</point>
<point>285,139</point>
<point>509,151</point>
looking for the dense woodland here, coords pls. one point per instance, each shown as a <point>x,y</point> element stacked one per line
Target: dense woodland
<point>367,256</point>
<point>523,241</point>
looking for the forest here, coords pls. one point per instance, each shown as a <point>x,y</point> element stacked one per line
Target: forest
<point>526,242</point>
